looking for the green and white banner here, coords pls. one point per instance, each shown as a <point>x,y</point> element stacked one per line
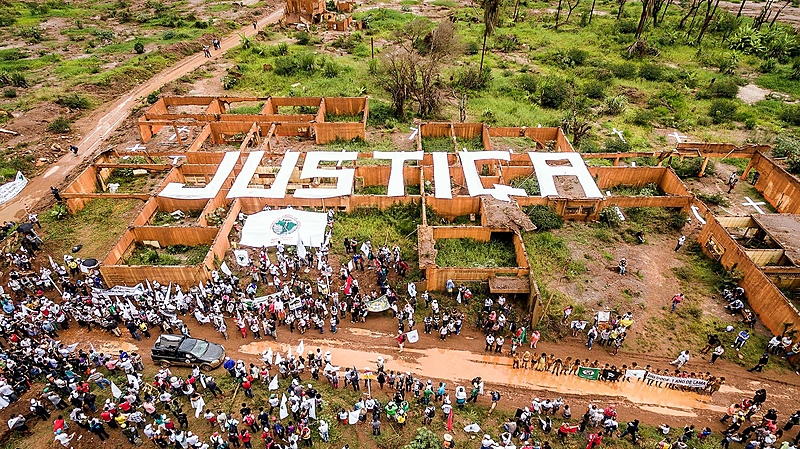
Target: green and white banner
<point>589,373</point>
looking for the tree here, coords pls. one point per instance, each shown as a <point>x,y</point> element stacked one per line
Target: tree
<point>410,72</point>
<point>425,439</point>
<point>571,6</point>
<point>710,13</point>
<point>491,12</point>
<point>621,5</point>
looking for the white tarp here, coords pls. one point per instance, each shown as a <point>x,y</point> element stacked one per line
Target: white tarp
<point>269,228</point>
<point>11,189</point>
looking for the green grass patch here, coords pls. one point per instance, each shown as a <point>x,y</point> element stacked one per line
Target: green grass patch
<point>96,227</point>
<point>437,144</point>
<point>170,255</point>
<point>651,189</point>
<point>473,253</point>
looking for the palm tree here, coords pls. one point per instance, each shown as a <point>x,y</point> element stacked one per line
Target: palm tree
<point>491,11</point>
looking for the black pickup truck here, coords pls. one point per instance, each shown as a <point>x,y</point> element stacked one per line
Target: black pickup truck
<point>186,351</point>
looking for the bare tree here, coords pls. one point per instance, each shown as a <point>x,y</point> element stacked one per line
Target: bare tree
<point>710,13</point>
<point>621,4</point>
<point>571,7</point>
<point>558,13</point>
<point>647,9</point>
<point>778,13</point>
<point>741,8</point>
<point>411,71</point>
<point>591,11</point>
<point>692,10</point>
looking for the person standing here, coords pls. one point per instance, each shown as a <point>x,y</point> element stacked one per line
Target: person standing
<point>718,351</point>
<point>677,299</point>
<point>681,241</point>
<point>762,362</point>
<point>401,339</point>
<point>732,180</point>
<point>56,195</point>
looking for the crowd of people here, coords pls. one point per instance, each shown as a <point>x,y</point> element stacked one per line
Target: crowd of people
<point>35,312</point>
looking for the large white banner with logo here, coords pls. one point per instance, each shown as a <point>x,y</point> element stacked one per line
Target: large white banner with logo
<point>11,189</point>
<point>286,226</point>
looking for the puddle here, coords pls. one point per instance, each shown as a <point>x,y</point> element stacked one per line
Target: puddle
<point>366,333</point>
<point>462,366</point>
<point>113,347</point>
<point>668,411</point>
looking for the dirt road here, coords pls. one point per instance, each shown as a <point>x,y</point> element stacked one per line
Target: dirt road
<point>98,125</point>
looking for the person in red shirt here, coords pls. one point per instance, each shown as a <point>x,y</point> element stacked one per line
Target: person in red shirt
<point>246,386</point>
<point>59,424</point>
<point>595,439</point>
<point>244,437</point>
<point>401,338</point>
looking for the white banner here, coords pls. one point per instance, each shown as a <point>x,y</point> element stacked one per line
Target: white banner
<point>636,373</point>
<point>681,381</point>
<point>352,417</point>
<point>11,189</point>
<point>119,290</point>
<point>412,336</point>
<point>286,226</point>
<point>283,412</point>
<point>242,257</point>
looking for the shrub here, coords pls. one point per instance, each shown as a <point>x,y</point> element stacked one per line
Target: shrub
<point>330,69</point>
<point>152,97</point>
<point>281,49</point>
<point>168,35</point>
<point>507,43</point>
<point>722,88</point>
<point>722,110</point>
<point>473,48</point>
<point>651,72</point>
<point>138,47</point>
<point>527,183</point>
<point>626,26</point>
<point>791,114</point>
<point>616,145</point>
<point>690,167</point>
<point>74,101</point>
<point>553,92</point>
<point>60,125</point>
<point>609,217</point>
<point>785,146</point>
<point>594,89</point>
<point>793,163</point>
<point>471,78</point>
<point>544,217</point>
<point>718,199</point>
<point>10,93</point>
<point>527,82</point>
<point>302,37</point>
<point>643,117</point>
<point>615,105</point>
<point>624,70</point>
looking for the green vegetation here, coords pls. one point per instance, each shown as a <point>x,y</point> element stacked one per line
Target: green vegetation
<point>171,255</point>
<point>97,226</point>
<point>528,183</point>
<point>651,189</point>
<point>437,144</point>
<point>394,226</point>
<point>129,183</point>
<point>473,253</point>
<point>544,217</point>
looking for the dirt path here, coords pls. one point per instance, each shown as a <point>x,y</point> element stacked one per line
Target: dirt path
<point>98,125</point>
<point>790,15</point>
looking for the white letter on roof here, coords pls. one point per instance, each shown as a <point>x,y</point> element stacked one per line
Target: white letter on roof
<point>344,183</point>
<point>546,174</point>
<point>500,191</point>
<point>396,184</point>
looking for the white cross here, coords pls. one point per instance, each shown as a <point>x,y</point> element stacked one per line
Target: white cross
<point>678,137</point>
<point>696,211</point>
<point>175,159</point>
<point>755,204</point>
<point>182,130</point>
<point>414,133</point>
<point>137,147</point>
<point>619,133</point>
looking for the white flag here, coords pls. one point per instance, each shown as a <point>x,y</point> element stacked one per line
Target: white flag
<point>273,384</point>
<point>284,412</point>
<point>242,257</point>
<point>412,336</point>
<point>278,358</point>
<point>312,412</point>
<point>289,353</point>
<point>352,418</point>
<point>300,348</point>
<point>115,391</point>
<point>225,269</point>
<point>267,357</point>
<point>301,249</point>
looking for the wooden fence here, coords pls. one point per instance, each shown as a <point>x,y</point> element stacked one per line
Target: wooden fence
<point>779,187</point>
<point>763,297</point>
